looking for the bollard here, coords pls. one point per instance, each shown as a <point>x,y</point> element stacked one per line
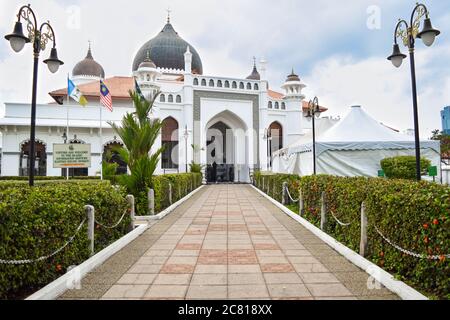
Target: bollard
<point>363,243</point>
<point>151,202</point>
<point>301,203</point>
<point>263,183</point>
<point>283,194</point>
<point>130,199</point>
<point>170,193</point>
<point>90,211</point>
<point>323,212</point>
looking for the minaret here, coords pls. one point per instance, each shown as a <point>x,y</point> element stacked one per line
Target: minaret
<point>188,108</point>
<point>147,77</point>
<point>294,106</point>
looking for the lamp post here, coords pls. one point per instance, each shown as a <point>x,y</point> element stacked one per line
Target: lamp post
<point>408,36</point>
<point>313,112</point>
<point>186,137</point>
<point>39,39</point>
<point>268,138</point>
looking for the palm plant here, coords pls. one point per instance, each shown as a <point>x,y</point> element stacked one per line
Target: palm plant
<point>138,132</point>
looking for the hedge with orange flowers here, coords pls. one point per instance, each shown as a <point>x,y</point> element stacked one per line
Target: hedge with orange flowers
<point>413,215</point>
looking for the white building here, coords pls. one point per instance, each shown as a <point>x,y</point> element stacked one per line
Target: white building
<point>216,121</point>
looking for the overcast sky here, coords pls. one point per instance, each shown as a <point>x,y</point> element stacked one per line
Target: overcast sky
<point>338,48</point>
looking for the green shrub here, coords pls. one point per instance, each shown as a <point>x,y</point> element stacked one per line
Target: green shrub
<point>34,222</point>
<point>403,167</point>
<point>413,215</point>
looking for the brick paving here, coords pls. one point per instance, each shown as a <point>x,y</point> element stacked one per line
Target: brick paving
<point>227,242</point>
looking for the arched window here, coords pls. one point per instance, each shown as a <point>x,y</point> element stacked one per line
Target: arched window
<point>170,98</point>
<point>276,132</point>
<point>241,85</point>
<point>227,84</point>
<point>195,82</point>
<point>111,155</point>
<point>283,106</point>
<point>249,86</point>
<point>178,99</point>
<point>270,105</point>
<point>219,83</point>
<point>40,168</point>
<point>162,98</point>
<point>169,141</point>
<point>203,82</point>
<point>234,85</point>
<point>277,105</point>
<point>256,86</point>
<point>211,83</point>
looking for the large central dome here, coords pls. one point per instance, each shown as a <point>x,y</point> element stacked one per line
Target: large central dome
<point>167,50</point>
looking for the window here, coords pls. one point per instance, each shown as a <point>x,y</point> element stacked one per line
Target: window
<point>234,85</point>
<point>277,105</point>
<point>211,83</point>
<point>219,83</point>
<point>256,87</point>
<point>241,85</point>
<point>111,155</point>
<point>162,98</point>
<point>203,82</point>
<point>227,84</point>
<point>169,141</point>
<point>283,106</point>
<point>40,168</point>
<point>270,105</point>
<point>178,99</point>
<point>249,86</point>
<point>170,98</point>
<point>195,82</point>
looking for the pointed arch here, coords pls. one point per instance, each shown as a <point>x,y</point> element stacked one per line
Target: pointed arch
<point>170,142</point>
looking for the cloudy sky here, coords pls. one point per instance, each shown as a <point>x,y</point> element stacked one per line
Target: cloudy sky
<point>339,48</point>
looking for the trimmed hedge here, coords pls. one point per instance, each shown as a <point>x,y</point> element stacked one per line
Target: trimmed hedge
<point>34,222</point>
<point>413,215</point>
<point>403,167</point>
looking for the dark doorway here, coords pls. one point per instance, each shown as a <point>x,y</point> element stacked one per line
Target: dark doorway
<point>220,167</point>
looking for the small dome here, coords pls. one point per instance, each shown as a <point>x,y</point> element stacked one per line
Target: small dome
<point>255,74</point>
<point>293,77</point>
<point>167,50</point>
<point>147,63</point>
<point>88,67</point>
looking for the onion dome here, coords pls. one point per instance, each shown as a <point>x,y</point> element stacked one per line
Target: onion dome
<point>293,77</point>
<point>167,51</point>
<point>147,63</point>
<point>88,67</point>
<point>255,74</point>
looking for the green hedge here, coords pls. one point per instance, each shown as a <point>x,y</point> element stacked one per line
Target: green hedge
<point>403,167</point>
<point>34,222</point>
<point>413,215</point>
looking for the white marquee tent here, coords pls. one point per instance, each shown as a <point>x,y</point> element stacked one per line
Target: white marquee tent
<point>353,147</point>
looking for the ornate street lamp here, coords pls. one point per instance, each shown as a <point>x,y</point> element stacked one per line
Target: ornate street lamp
<point>186,137</point>
<point>268,138</point>
<point>39,39</point>
<point>408,36</point>
<point>313,112</point>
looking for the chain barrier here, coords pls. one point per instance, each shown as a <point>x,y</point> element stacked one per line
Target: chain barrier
<point>114,226</point>
<point>338,221</point>
<point>289,194</point>
<point>29,261</point>
<point>410,253</point>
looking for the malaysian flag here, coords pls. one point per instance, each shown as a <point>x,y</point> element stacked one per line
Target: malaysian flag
<point>105,96</point>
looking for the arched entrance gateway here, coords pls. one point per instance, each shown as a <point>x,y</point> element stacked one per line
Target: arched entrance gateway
<point>226,149</point>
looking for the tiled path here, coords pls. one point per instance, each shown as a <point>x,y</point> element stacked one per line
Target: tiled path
<point>227,242</point>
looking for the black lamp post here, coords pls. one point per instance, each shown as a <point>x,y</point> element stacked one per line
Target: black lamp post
<point>39,39</point>
<point>186,137</point>
<point>268,139</point>
<point>408,36</point>
<point>313,112</point>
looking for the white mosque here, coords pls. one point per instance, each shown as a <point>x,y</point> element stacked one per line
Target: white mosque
<point>230,125</point>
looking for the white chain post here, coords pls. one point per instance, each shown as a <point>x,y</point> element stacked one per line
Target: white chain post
<point>283,195</point>
<point>151,202</point>
<point>363,242</point>
<point>323,212</point>
<point>170,193</point>
<point>301,203</point>
<point>90,211</point>
<point>263,183</point>
<point>130,199</point>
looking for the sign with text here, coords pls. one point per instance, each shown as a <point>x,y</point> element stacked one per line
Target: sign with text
<point>71,156</point>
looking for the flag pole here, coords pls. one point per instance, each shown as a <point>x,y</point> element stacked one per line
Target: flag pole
<point>67,122</point>
<point>101,142</point>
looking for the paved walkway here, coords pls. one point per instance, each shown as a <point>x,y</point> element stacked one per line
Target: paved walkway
<point>227,242</point>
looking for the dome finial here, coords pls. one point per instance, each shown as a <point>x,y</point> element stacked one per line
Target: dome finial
<point>168,14</point>
<point>89,54</point>
<point>255,74</point>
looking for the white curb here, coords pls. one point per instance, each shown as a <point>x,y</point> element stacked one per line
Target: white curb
<point>400,288</point>
<point>56,288</point>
